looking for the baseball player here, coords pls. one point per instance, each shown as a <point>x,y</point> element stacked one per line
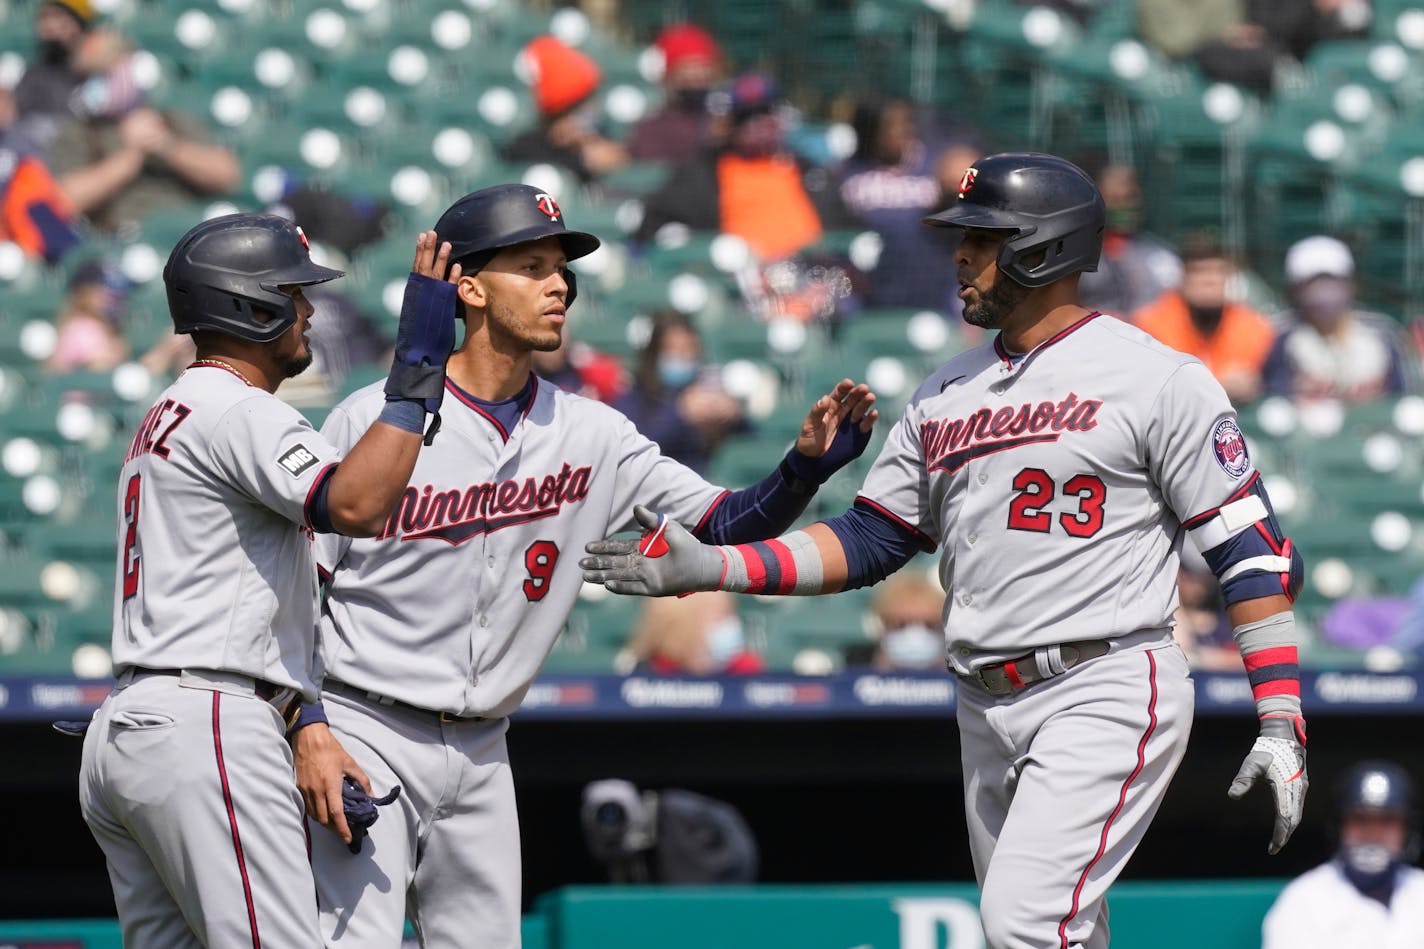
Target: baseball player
<point>434,628</point>
<point>1369,894</point>
<point>186,780</point>
<point>1059,467</point>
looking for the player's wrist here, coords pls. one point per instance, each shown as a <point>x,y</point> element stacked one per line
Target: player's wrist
<point>798,473</point>
<point>305,713</point>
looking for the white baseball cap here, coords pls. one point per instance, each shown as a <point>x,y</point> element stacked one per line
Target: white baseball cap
<point>1319,256</point>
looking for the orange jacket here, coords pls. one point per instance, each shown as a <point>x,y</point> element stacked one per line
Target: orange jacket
<point>34,212</point>
<point>1242,340</point>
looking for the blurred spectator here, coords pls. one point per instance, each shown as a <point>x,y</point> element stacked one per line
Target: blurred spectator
<point>1368,895</point>
<point>697,634</point>
<point>907,622</point>
<point>1199,319</point>
<point>1240,41</point>
<point>1135,268</point>
<point>91,320</point>
<point>890,183</point>
<point>1215,34</point>
<point>692,68</point>
<point>676,400</point>
<point>577,367</point>
<point>118,159</point>
<point>43,93</point>
<point>752,187</point>
<point>345,222</point>
<point>1201,627</point>
<point>564,81</point>
<point>1328,348</point>
<point>34,213</point>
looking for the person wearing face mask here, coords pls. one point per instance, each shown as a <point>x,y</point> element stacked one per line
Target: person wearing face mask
<point>564,82</point>
<point>1368,893</point>
<point>906,622</point>
<point>700,634</point>
<point>1330,349</point>
<point>1199,318</point>
<point>1135,267</point>
<point>676,400</point>
<point>692,66</point>
<point>43,93</point>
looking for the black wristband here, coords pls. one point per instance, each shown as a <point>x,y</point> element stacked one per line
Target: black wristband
<point>794,483</point>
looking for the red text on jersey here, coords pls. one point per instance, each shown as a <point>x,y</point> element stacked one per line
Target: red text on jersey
<point>458,514</point>
<point>949,444</point>
<point>157,425</point>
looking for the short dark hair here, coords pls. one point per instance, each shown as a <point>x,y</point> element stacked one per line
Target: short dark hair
<point>1201,245</point>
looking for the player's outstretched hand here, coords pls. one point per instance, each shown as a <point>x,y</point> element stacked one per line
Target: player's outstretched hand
<point>432,257</point>
<point>839,422</point>
<point>322,765</point>
<point>1278,756</point>
<point>665,559</point>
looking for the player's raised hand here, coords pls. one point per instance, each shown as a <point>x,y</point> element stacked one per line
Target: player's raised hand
<point>666,559</point>
<point>432,257</point>
<point>847,406</point>
<point>1278,756</point>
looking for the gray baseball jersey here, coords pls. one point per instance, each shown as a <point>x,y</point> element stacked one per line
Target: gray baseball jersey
<point>1057,484</point>
<point>186,780</point>
<point>454,608</point>
<point>1058,490</point>
<point>216,568</point>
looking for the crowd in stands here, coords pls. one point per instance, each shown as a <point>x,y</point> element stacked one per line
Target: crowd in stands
<point>83,151</point>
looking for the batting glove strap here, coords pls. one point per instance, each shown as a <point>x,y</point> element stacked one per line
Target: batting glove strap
<point>1279,758</point>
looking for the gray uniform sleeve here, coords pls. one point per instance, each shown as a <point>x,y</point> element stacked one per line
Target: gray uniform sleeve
<point>267,450</point>
<point>648,477</point>
<point>340,430</point>
<point>1194,448</point>
<point>898,484</point>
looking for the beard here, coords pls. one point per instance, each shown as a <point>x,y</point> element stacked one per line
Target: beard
<point>504,324</point>
<point>296,365</point>
<point>995,306</point>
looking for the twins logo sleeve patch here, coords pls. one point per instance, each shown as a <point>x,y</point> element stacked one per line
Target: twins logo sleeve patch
<point>297,459</point>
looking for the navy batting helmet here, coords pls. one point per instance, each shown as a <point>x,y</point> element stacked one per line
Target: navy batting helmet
<point>1052,206</point>
<point>1379,787</point>
<point>484,222</point>
<point>228,266</point>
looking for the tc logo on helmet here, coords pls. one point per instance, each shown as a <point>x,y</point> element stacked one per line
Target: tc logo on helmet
<point>966,183</point>
<point>548,205</point>
<point>1230,447</point>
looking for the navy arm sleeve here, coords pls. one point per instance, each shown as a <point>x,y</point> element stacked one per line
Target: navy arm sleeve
<point>767,509</point>
<point>874,545</point>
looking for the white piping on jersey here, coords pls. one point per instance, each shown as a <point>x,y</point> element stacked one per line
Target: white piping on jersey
<point>1230,520</point>
<point>1267,563</point>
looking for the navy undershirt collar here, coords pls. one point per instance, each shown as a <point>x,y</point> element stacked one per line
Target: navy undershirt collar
<point>506,412</point>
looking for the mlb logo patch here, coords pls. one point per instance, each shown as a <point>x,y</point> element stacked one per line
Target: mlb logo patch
<point>297,459</point>
<point>1229,446</point>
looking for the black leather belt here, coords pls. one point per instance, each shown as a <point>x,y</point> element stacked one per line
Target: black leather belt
<point>264,690</point>
<point>1013,675</point>
<point>445,718</point>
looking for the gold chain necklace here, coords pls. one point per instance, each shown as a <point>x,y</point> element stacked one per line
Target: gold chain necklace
<point>209,361</point>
